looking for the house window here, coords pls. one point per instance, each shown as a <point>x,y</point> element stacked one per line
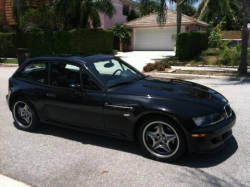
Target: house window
<point>125,10</point>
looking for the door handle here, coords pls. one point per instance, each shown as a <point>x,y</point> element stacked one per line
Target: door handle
<point>80,93</point>
<point>51,95</point>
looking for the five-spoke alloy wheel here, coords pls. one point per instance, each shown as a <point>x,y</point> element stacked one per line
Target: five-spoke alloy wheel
<point>24,115</point>
<point>162,139</point>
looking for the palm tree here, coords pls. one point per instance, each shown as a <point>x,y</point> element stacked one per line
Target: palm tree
<point>147,6</point>
<point>76,13</point>
<point>224,12</point>
<point>245,8</point>
<point>189,10</point>
<point>180,5</point>
<point>160,6</point>
<point>161,11</point>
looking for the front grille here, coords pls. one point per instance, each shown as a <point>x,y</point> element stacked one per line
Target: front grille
<point>228,110</point>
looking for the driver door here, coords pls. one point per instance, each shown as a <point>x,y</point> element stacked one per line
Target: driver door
<point>66,102</point>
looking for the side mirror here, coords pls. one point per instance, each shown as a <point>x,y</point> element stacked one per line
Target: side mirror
<point>75,86</point>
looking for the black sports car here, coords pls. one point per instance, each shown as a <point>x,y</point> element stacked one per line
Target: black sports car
<point>103,94</point>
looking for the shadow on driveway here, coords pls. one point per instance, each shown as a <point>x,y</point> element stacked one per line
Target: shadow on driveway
<point>195,160</point>
<point>192,160</point>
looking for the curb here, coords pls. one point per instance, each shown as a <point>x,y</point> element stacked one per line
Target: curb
<point>194,76</point>
<point>9,182</point>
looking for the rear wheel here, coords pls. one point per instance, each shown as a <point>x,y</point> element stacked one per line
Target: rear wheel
<point>24,115</point>
<point>162,139</point>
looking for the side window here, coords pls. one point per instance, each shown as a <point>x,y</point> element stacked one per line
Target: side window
<point>35,72</point>
<point>64,75</point>
<point>125,10</point>
<point>88,83</point>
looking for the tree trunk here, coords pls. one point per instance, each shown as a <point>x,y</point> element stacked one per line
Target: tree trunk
<point>179,19</point>
<point>245,36</point>
<point>81,17</point>
<point>53,16</point>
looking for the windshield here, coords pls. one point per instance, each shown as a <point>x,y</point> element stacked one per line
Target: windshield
<point>113,72</point>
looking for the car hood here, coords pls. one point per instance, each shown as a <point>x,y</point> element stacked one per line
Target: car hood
<point>175,90</point>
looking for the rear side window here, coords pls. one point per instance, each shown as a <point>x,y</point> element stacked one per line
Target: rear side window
<point>35,72</point>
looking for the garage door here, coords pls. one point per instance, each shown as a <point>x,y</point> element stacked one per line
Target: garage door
<point>154,39</point>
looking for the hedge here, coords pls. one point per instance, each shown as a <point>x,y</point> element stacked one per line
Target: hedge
<point>66,42</point>
<point>190,44</point>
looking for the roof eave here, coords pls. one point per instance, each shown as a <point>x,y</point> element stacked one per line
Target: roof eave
<point>168,24</point>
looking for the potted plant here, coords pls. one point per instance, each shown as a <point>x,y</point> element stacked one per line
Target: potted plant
<point>124,34</point>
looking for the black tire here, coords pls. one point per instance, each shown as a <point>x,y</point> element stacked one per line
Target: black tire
<point>165,147</point>
<point>25,117</point>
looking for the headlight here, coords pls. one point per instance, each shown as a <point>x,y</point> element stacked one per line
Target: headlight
<point>208,120</point>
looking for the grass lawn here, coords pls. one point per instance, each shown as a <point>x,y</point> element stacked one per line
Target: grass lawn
<point>9,61</point>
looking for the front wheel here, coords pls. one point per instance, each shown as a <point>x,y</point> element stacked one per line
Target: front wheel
<point>24,115</point>
<point>162,139</point>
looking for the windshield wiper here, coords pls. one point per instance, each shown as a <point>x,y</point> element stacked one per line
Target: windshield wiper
<point>121,83</point>
<point>125,82</point>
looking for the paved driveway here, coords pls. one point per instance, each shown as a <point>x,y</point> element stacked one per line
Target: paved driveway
<point>139,59</point>
<point>54,156</point>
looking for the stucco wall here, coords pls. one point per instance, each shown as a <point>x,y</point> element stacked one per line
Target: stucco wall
<point>118,18</point>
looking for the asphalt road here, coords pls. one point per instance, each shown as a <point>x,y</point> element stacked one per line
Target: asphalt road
<point>54,156</point>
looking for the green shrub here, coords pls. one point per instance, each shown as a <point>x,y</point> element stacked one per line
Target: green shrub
<point>190,44</point>
<point>40,17</point>
<point>149,67</point>
<point>42,43</point>
<point>166,64</point>
<point>7,45</point>
<point>235,58</point>
<point>231,56</point>
<point>215,37</point>
<point>226,57</point>
<point>160,66</point>
<point>123,32</point>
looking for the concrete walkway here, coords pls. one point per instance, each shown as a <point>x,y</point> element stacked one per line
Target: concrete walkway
<point>218,69</point>
<point>139,59</point>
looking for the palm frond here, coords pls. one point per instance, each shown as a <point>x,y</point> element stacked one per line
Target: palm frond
<point>95,18</point>
<point>161,12</point>
<point>106,7</point>
<point>203,8</point>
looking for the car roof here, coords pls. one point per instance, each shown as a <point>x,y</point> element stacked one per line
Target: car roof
<point>92,58</point>
<point>83,59</point>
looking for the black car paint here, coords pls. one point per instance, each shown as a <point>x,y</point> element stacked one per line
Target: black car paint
<point>116,111</point>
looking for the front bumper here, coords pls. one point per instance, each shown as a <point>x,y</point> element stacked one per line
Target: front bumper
<point>216,135</point>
